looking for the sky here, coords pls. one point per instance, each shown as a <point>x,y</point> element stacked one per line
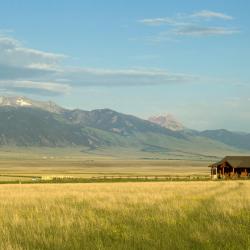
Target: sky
<point>188,58</point>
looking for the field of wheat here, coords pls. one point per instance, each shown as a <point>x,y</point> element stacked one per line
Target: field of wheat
<point>172,215</point>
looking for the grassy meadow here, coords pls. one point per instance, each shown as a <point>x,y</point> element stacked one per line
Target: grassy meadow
<point>131,215</point>
<point>167,215</point>
<point>23,165</point>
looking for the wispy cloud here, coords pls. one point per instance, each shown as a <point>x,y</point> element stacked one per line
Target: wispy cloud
<point>124,77</point>
<point>193,30</point>
<point>191,25</point>
<point>158,21</point>
<point>25,69</point>
<point>35,71</point>
<point>5,31</point>
<point>13,52</point>
<point>42,88</point>
<point>211,14</point>
<point>184,19</point>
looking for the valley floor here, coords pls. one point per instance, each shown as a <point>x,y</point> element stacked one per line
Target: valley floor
<point>25,166</point>
<point>170,215</point>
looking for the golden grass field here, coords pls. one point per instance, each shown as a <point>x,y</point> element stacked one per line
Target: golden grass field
<point>131,215</point>
<point>166,215</point>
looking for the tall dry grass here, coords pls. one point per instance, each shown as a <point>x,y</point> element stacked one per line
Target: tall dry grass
<point>173,215</point>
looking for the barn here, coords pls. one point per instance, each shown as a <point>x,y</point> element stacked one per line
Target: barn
<point>231,167</point>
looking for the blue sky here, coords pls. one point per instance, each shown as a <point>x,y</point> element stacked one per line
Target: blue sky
<point>188,58</point>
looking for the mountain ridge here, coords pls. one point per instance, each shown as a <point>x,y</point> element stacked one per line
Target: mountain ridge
<point>21,101</point>
<point>25,122</point>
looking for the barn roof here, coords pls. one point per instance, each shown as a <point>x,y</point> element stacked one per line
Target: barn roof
<point>234,161</point>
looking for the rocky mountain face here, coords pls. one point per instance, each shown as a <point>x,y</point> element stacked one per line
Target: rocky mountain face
<point>20,101</point>
<point>112,121</point>
<point>36,127</point>
<point>25,122</point>
<point>167,121</point>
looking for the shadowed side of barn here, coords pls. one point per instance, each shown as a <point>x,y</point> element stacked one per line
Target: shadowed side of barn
<point>231,167</point>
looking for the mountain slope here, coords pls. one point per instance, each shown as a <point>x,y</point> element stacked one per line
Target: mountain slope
<point>24,122</point>
<point>239,140</point>
<point>112,121</point>
<point>36,127</point>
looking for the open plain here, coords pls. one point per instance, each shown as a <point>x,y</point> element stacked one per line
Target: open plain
<point>170,215</point>
<point>138,214</point>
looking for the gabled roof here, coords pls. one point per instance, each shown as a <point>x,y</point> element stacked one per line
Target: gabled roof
<point>234,161</point>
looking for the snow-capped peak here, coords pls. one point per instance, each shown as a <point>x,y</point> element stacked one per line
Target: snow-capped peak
<point>21,102</point>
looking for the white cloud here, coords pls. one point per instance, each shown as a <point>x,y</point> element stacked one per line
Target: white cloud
<point>19,72</point>
<point>13,52</point>
<point>185,19</point>
<point>203,31</point>
<point>25,68</point>
<point>18,62</point>
<point>125,77</point>
<point>50,88</point>
<point>158,21</point>
<point>212,14</point>
<point>190,25</point>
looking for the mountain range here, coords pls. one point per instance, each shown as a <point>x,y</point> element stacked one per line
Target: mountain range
<point>28,123</point>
